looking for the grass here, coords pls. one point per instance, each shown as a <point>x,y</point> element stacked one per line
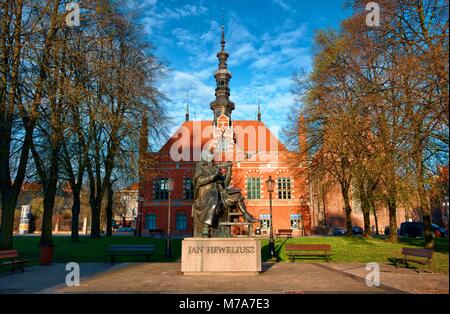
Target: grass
<point>345,249</point>
<point>93,250</point>
<point>358,249</point>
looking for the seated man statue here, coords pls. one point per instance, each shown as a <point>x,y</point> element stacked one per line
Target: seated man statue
<point>212,194</point>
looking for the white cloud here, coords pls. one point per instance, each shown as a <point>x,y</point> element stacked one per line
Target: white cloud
<point>272,58</point>
<point>157,16</point>
<point>284,5</point>
<point>175,87</point>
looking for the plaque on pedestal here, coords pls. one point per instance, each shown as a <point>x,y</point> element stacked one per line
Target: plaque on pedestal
<point>231,256</point>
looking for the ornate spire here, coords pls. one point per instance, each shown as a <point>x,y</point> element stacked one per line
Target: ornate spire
<point>222,43</point>
<point>187,106</point>
<point>222,104</point>
<point>259,109</point>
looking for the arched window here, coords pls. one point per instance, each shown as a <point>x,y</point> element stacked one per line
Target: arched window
<point>181,221</point>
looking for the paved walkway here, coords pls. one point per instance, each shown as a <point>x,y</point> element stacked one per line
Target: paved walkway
<point>276,278</point>
<point>45,279</point>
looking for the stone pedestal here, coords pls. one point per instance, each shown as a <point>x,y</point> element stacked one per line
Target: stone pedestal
<point>203,256</point>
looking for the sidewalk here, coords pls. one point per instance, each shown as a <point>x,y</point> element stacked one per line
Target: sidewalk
<point>276,278</point>
<point>45,279</point>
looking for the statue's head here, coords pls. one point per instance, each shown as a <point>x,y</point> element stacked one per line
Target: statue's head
<point>207,155</point>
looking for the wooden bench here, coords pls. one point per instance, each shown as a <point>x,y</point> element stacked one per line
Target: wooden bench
<point>408,252</point>
<point>308,250</point>
<point>284,232</point>
<point>11,256</point>
<point>153,232</point>
<point>131,250</point>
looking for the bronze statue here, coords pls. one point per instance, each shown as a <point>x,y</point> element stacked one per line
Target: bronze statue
<point>213,196</point>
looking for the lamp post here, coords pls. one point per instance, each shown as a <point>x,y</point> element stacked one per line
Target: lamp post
<point>302,205</point>
<point>270,186</point>
<point>444,211</point>
<point>168,254</point>
<point>139,216</point>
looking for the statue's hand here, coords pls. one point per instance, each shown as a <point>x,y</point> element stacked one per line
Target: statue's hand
<point>217,173</point>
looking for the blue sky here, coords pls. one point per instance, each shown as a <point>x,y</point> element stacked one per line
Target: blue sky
<point>268,40</point>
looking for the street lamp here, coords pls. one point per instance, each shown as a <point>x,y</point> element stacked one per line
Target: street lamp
<point>270,186</point>
<point>139,216</point>
<point>168,254</point>
<point>303,204</point>
<point>444,211</point>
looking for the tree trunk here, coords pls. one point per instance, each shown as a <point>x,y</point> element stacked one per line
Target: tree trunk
<point>6,229</point>
<point>366,216</point>
<point>392,206</point>
<point>10,67</point>
<point>365,208</point>
<point>95,223</point>
<point>375,217</point>
<point>109,209</point>
<point>49,202</point>
<point>347,208</point>
<point>49,198</point>
<point>426,216</point>
<point>74,236</point>
<point>425,207</point>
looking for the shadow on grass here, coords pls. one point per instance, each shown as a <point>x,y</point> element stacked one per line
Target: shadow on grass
<point>357,240</point>
<point>397,262</point>
<point>278,250</point>
<point>440,244</point>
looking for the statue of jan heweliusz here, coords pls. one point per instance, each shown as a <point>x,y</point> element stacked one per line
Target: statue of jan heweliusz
<point>213,195</point>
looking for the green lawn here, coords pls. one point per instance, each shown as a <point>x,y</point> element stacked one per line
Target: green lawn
<point>345,249</point>
<point>357,249</point>
<point>93,250</point>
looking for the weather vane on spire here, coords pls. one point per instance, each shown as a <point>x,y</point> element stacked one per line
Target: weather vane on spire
<point>223,31</point>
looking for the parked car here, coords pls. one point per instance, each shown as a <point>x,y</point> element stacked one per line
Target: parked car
<point>357,230</point>
<point>125,229</point>
<point>411,229</point>
<point>339,231</point>
<point>439,230</point>
<point>414,229</point>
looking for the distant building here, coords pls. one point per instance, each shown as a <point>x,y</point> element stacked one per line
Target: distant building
<point>128,207</point>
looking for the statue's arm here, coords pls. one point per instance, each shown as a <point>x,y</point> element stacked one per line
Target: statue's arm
<point>204,180</point>
<point>228,175</point>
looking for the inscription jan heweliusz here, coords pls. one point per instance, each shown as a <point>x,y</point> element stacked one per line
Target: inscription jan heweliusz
<point>221,249</point>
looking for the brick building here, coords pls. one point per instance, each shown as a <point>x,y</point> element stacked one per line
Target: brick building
<point>250,145</point>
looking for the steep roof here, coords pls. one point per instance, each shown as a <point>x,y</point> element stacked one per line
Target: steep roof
<point>253,134</point>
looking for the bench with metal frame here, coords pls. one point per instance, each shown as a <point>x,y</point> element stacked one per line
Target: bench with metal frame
<point>308,251</point>
<point>284,232</point>
<point>153,232</point>
<point>411,254</point>
<point>11,256</point>
<point>131,250</point>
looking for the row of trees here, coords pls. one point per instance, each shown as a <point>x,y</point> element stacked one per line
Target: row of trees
<point>376,107</point>
<point>73,99</point>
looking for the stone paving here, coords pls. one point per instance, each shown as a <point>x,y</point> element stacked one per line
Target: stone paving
<point>37,279</point>
<point>276,278</point>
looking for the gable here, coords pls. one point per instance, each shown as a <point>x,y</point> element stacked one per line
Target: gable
<point>251,137</point>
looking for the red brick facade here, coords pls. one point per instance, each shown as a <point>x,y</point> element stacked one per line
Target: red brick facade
<point>249,167</point>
